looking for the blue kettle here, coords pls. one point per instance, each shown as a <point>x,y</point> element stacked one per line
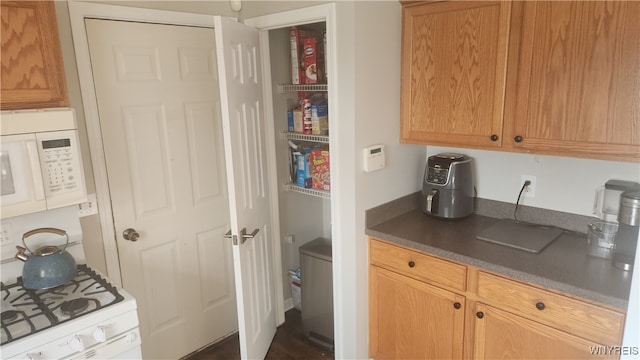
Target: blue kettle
<point>48,266</point>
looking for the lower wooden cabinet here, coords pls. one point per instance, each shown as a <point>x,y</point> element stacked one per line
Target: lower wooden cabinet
<point>503,335</point>
<point>410,319</point>
<point>415,313</point>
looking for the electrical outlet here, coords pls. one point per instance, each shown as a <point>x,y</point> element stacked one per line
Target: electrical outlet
<point>88,208</point>
<point>529,191</point>
<point>6,233</point>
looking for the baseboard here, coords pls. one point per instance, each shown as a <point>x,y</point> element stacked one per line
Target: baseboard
<point>288,304</point>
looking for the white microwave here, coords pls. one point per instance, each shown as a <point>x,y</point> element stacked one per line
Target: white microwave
<point>40,161</point>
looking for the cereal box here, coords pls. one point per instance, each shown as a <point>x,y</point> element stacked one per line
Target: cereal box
<point>297,120</point>
<point>303,170</point>
<point>296,36</point>
<point>319,119</point>
<point>290,127</point>
<point>311,60</point>
<point>321,179</point>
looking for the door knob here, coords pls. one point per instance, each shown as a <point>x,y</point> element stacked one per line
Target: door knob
<point>130,234</point>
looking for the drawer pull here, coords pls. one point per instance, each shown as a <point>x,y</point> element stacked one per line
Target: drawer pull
<point>412,264</point>
<point>480,314</point>
<point>540,306</point>
<point>494,137</point>
<point>517,138</point>
<point>457,305</point>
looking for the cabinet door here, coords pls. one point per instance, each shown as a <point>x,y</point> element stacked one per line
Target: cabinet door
<point>578,78</point>
<point>410,319</point>
<point>453,73</point>
<point>32,70</point>
<point>503,335</point>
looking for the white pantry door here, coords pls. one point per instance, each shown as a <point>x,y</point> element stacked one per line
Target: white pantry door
<point>246,155</point>
<point>158,100</point>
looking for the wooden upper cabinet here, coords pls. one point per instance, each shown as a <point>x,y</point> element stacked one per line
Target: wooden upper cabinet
<point>576,73</point>
<point>32,73</point>
<point>453,72</point>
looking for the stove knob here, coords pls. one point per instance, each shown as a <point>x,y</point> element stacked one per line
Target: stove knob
<point>100,334</point>
<point>77,344</point>
<point>131,337</point>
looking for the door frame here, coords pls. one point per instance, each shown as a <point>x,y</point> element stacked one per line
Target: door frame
<point>307,15</point>
<point>78,11</point>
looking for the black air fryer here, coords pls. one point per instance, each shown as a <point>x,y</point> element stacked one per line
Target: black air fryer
<point>448,187</point>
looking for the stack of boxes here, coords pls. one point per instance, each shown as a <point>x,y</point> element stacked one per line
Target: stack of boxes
<point>310,115</point>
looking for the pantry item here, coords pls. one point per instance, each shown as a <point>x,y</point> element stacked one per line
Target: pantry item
<point>321,175</point>
<point>307,126</point>
<point>297,121</point>
<point>290,127</point>
<point>319,119</point>
<point>303,169</point>
<point>312,62</point>
<point>296,36</point>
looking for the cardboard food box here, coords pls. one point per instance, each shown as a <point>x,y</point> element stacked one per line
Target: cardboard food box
<point>312,60</point>
<point>321,176</point>
<point>297,120</point>
<point>290,127</point>
<point>296,36</point>
<point>303,170</point>
<point>319,119</point>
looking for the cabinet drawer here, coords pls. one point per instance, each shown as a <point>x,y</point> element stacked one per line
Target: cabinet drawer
<point>417,265</point>
<point>574,316</point>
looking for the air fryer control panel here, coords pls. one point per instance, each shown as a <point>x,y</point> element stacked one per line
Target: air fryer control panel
<point>437,176</point>
<point>438,167</point>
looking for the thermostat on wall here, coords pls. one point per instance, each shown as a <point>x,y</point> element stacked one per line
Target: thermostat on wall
<point>373,158</point>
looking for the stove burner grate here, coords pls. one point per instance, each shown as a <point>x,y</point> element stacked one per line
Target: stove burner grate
<point>75,306</point>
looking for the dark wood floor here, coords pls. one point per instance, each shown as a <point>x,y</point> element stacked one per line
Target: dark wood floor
<point>288,344</point>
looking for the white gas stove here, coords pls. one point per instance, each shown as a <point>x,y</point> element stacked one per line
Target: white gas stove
<point>82,319</point>
<point>85,318</point>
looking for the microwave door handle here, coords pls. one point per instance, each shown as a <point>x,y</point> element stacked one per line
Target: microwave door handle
<point>36,172</point>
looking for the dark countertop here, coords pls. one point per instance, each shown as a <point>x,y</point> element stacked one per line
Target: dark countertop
<point>563,266</point>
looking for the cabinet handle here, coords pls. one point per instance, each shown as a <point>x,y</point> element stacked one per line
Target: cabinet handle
<point>457,305</point>
<point>540,306</point>
<point>494,137</point>
<point>518,138</point>
<point>411,264</point>
<point>480,314</point>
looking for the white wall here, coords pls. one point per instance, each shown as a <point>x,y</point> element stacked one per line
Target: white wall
<point>255,8</point>
<point>377,98</point>
<point>563,183</point>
